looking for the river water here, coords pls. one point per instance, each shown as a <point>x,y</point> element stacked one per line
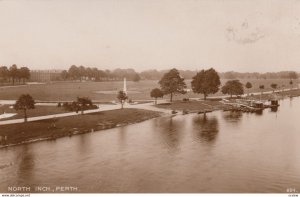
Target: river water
<point>219,152</point>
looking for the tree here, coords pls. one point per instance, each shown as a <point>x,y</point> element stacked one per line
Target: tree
<point>82,72</point>
<point>4,73</point>
<point>156,93</point>
<point>291,83</point>
<point>89,73</point>
<point>233,87</point>
<point>206,82</point>
<point>25,102</point>
<point>261,87</point>
<point>136,78</point>
<point>248,86</point>
<point>64,75</point>
<point>24,73</point>
<point>74,72</point>
<point>293,75</point>
<point>13,72</point>
<point>273,86</point>
<point>122,98</point>
<point>83,103</point>
<point>172,83</point>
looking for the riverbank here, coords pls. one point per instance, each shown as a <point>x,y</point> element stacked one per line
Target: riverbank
<point>277,94</point>
<point>195,106</point>
<point>67,126</point>
<point>192,106</point>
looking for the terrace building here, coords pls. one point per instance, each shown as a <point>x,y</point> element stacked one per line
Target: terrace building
<point>44,75</point>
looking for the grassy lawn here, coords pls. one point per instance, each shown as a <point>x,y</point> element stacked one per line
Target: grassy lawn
<point>68,91</point>
<point>38,111</point>
<point>66,126</point>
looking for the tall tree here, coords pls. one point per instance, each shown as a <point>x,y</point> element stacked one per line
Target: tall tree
<point>13,72</point>
<point>89,73</point>
<point>74,72</point>
<point>233,87</point>
<point>64,75</point>
<point>172,83</point>
<point>206,82</point>
<point>25,102</point>
<point>156,93</point>
<point>293,75</point>
<point>136,78</point>
<point>122,97</point>
<point>273,86</point>
<point>261,87</point>
<point>248,86</point>
<point>291,84</point>
<point>82,72</point>
<point>4,73</point>
<point>24,73</point>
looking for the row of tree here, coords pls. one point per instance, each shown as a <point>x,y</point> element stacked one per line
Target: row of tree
<point>256,75</point>
<point>94,74</point>
<point>26,102</point>
<point>13,74</point>
<point>188,74</point>
<point>204,82</point>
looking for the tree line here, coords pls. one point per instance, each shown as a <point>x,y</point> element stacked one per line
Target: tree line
<point>204,82</point>
<point>94,74</point>
<point>256,75</point>
<point>14,74</point>
<point>154,74</point>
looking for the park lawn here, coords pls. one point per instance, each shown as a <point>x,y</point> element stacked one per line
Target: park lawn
<point>38,111</point>
<point>192,106</point>
<point>68,91</point>
<point>67,126</point>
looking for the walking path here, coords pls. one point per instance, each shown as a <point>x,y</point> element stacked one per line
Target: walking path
<point>146,106</point>
<point>102,108</point>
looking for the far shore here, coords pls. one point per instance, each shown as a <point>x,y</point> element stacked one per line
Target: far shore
<point>52,129</point>
<point>212,104</point>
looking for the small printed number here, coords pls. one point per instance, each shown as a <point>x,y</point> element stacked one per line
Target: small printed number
<point>291,190</point>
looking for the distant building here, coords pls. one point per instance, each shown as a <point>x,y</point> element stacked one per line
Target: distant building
<point>44,75</point>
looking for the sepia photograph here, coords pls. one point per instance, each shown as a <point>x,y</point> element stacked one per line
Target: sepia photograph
<point>149,97</point>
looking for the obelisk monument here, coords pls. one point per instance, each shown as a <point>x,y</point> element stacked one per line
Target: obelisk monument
<point>125,86</point>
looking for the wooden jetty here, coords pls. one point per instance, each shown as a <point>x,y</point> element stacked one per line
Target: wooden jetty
<point>244,105</point>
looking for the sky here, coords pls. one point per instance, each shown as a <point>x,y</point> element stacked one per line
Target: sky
<point>238,35</point>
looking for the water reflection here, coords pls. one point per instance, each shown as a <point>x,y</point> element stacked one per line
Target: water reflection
<point>25,166</point>
<point>274,109</point>
<point>190,153</point>
<point>233,116</point>
<point>122,138</point>
<point>259,113</point>
<point>169,129</point>
<point>207,127</point>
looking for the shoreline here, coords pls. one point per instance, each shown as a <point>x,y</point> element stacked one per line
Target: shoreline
<point>48,130</point>
<point>87,123</point>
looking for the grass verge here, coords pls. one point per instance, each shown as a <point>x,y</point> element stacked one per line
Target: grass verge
<point>68,126</point>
